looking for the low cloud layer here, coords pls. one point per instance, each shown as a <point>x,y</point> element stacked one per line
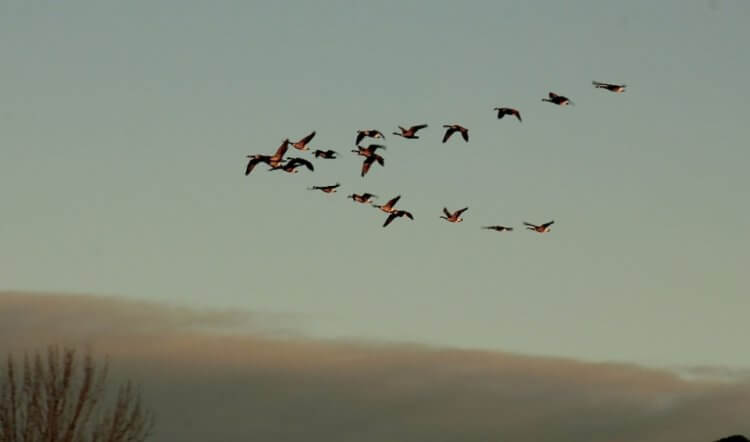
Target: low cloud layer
<point>208,383</point>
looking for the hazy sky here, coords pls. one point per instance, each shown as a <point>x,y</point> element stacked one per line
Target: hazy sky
<point>125,127</point>
<point>212,386</point>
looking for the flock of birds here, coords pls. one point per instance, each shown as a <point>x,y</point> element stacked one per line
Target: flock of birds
<point>277,161</point>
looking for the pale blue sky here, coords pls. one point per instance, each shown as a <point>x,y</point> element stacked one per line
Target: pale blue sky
<point>125,128</point>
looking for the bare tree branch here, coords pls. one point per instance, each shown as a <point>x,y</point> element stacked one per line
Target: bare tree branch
<point>56,401</point>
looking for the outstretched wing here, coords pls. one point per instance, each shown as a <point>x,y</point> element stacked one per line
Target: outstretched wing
<point>417,127</point>
<point>251,165</point>
<point>462,211</point>
<point>465,134</point>
<point>392,202</point>
<point>517,114</point>
<point>529,224</point>
<point>391,217</point>
<point>294,162</point>
<point>360,136</point>
<point>545,225</point>
<point>307,139</point>
<point>448,133</point>
<point>366,165</point>
<point>407,214</point>
<point>282,149</point>
<point>379,159</point>
<point>446,212</point>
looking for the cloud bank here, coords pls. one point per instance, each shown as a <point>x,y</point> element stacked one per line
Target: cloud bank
<point>218,376</point>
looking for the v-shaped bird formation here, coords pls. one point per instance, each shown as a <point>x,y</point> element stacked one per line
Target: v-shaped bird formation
<point>278,161</point>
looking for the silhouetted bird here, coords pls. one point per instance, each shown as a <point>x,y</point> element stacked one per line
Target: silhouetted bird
<point>272,160</point>
<point>397,214</point>
<point>503,111</point>
<point>454,217</point>
<point>368,162</point>
<point>254,161</point>
<point>544,228</point>
<point>326,154</point>
<point>618,88</point>
<point>558,99</point>
<point>302,144</point>
<point>498,228</point>
<point>364,198</point>
<point>326,189</point>
<point>292,165</point>
<point>388,207</point>
<point>455,128</point>
<point>369,150</point>
<point>368,133</point>
<point>411,132</point>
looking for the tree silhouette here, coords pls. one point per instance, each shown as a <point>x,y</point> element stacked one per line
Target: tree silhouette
<point>62,398</point>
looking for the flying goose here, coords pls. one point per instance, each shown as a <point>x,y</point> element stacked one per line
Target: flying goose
<point>498,228</point>
<point>544,228</point>
<point>368,162</point>
<point>397,214</point>
<point>454,217</point>
<point>327,154</point>
<point>272,160</point>
<point>326,189</point>
<point>411,132</point>
<point>369,150</point>
<point>388,207</point>
<point>558,99</point>
<point>618,88</point>
<point>278,156</point>
<point>451,128</point>
<point>364,198</point>
<point>503,111</point>
<point>368,133</point>
<point>292,164</point>
<point>255,160</point>
<point>302,144</point>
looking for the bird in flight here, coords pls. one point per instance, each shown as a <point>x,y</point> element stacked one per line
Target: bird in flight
<point>254,161</point>
<point>542,228</point>
<point>327,154</point>
<point>302,144</point>
<point>368,162</point>
<point>503,111</point>
<point>498,228</point>
<point>361,134</point>
<point>272,160</point>
<point>363,198</point>
<point>369,150</point>
<point>618,88</point>
<point>452,128</point>
<point>397,214</point>
<point>388,207</point>
<point>454,217</point>
<point>411,132</point>
<point>558,99</point>
<point>326,189</point>
<point>292,164</point>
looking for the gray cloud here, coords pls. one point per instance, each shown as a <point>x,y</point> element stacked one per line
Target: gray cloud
<point>217,376</point>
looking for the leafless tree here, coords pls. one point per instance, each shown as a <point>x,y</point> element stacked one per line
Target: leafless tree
<point>62,398</point>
